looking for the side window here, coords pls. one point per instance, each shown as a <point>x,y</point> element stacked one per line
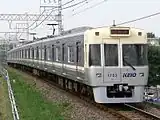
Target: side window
<point>27,53</point>
<point>35,51</point>
<point>49,53</point>
<point>21,53</point>
<point>52,52</point>
<point>24,53</point>
<point>39,53</point>
<point>45,53</point>
<point>17,55</point>
<point>94,55</point>
<point>63,52</point>
<point>42,53</point>
<point>70,54</point>
<point>31,53</point>
<point>58,53</point>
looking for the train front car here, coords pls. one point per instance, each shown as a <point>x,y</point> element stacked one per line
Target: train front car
<point>116,64</point>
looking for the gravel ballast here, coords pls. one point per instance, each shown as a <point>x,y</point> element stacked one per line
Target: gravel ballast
<point>77,109</point>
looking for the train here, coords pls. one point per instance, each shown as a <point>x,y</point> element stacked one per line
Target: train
<point>109,63</point>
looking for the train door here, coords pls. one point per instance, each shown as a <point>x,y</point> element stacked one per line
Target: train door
<point>37,57</point>
<point>53,54</point>
<point>32,56</point>
<point>78,58</point>
<point>63,59</point>
<point>111,60</point>
<point>45,58</point>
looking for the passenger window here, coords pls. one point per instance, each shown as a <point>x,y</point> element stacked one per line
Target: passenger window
<point>94,55</point>
<point>39,54</point>
<point>52,52</point>
<point>45,53</point>
<point>22,54</point>
<point>111,54</point>
<point>31,53</point>
<point>37,57</point>
<point>70,54</point>
<point>58,54</point>
<point>35,51</point>
<point>27,53</point>
<point>63,52</point>
<point>42,53</point>
<point>49,53</point>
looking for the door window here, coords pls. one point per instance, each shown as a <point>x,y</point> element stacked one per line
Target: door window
<point>111,54</point>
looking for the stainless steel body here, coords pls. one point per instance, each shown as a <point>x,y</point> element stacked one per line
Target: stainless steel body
<point>109,64</point>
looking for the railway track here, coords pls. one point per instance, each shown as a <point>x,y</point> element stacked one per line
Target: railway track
<point>143,112</point>
<point>137,114</point>
<point>100,106</point>
<point>117,112</point>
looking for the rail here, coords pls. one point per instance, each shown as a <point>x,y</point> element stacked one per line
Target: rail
<point>11,96</point>
<point>100,106</point>
<point>152,116</point>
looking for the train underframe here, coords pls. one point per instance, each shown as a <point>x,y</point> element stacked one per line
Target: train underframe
<point>106,94</point>
<point>77,88</point>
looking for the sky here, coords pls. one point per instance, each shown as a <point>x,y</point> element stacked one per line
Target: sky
<point>101,15</point>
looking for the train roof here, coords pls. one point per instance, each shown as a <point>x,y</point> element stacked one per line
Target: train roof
<point>68,32</point>
<point>71,32</point>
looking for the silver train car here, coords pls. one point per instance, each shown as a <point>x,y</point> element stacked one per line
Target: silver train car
<point>111,60</point>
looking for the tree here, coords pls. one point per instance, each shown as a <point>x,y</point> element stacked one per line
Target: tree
<point>150,35</point>
<point>154,65</point>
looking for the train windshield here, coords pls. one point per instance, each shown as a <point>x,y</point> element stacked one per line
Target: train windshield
<point>111,54</point>
<point>94,55</point>
<point>135,55</point>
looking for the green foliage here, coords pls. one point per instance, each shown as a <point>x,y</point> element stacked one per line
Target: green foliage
<point>31,104</point>
<point>154,65</point>
<point>150,35</point>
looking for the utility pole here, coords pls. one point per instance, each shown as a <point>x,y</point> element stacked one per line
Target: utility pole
<point>49,4</point>
<point>60,25</point>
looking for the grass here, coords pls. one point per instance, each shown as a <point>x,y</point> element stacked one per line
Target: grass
<point>31,103</point>
<point>5,106</point>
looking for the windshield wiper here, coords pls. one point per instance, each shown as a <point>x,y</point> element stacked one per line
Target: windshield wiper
<point>129,64</point>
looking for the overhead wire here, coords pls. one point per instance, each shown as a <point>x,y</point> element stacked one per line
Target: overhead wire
<point>62,8</point>
<point>74,4</point>
<point>82,5</point>
<point>141,18</point>
<point>33,22</point>
<point>44,18</point>
<point>44,11</point>
<point>68,2</point>
<point>95,5</point>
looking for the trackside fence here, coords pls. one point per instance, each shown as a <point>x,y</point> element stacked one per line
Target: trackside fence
<point>11,96</point>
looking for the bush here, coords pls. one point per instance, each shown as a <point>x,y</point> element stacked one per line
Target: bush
<point>154,65</point>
